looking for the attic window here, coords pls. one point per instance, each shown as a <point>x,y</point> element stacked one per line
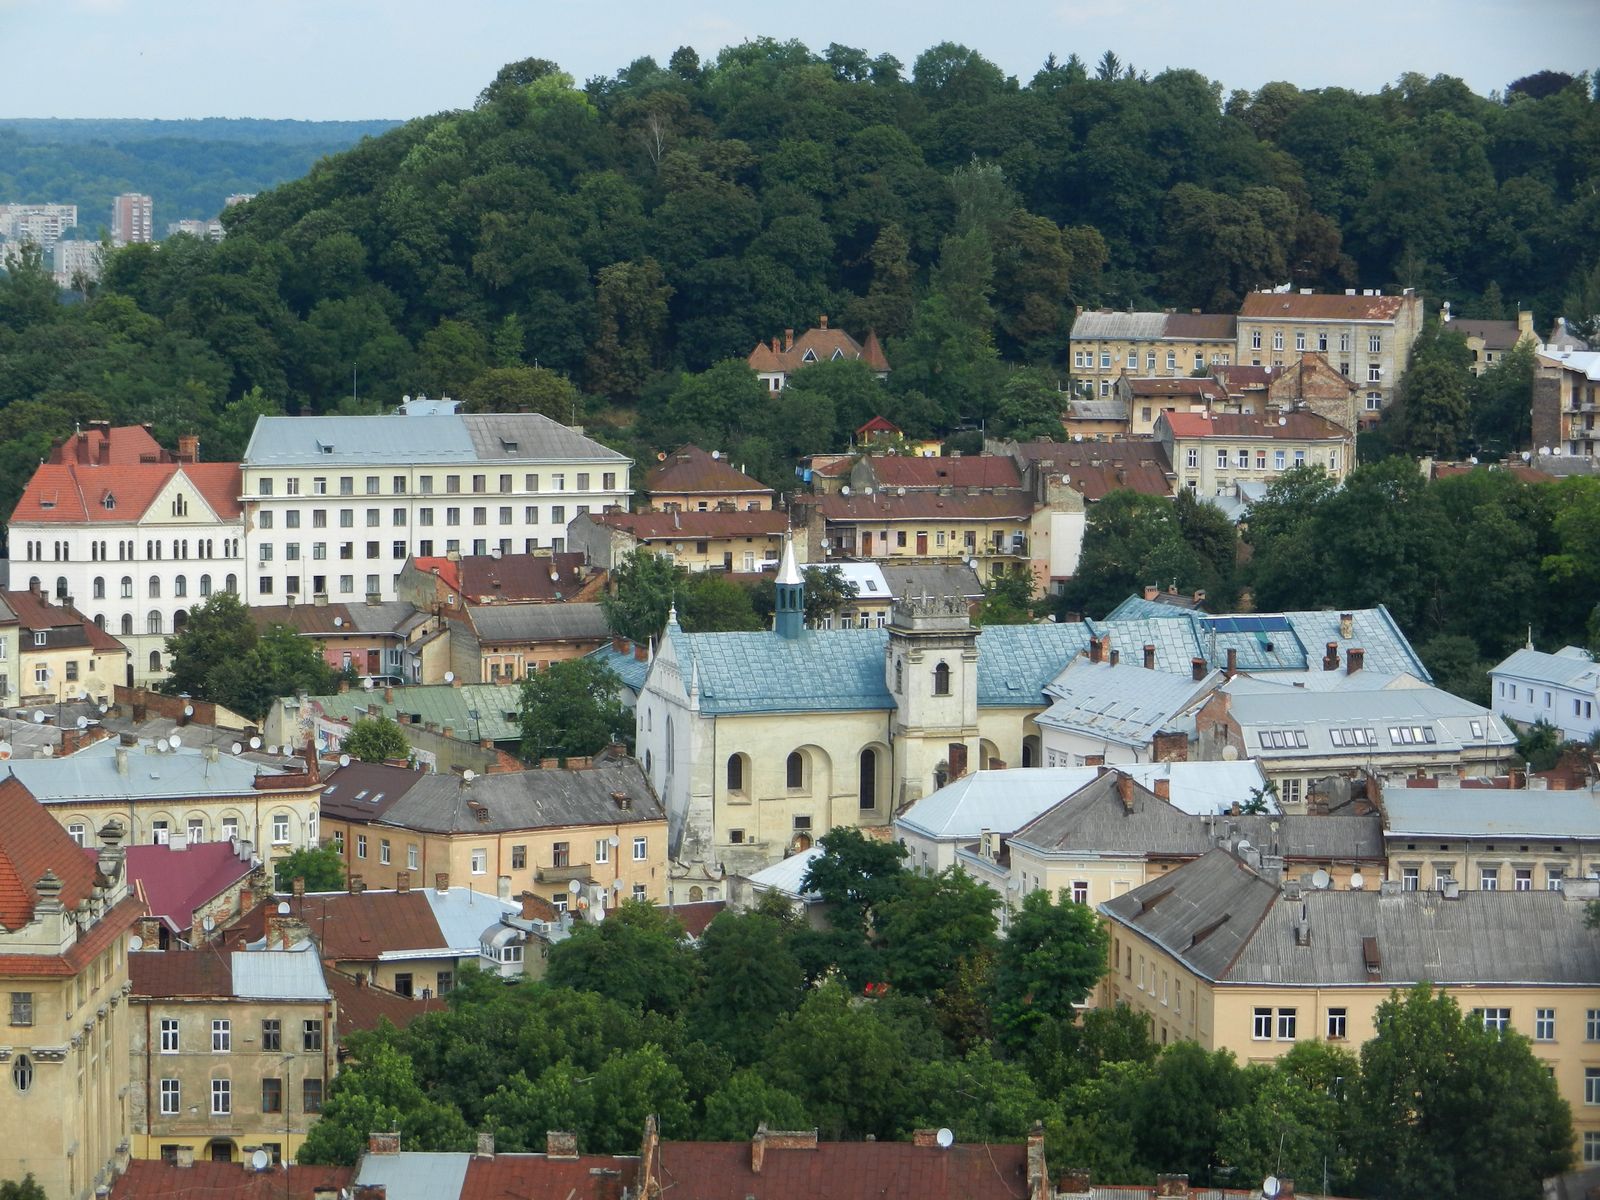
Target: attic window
<point>508,445</point>
<point>1150,902</point>
<point>47,501</point>
<point>377,796</point>
<point>809,356</point>
<point>837,354</point>
<point>1370,955</point>
<point>324,447</point>
<point>872,585</point>
<point>1206,931</point>
<point>362,794</point>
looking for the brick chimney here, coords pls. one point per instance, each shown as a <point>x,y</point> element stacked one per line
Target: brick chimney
<point>1097,650</point>
<point>1347,625</point>
<point>1197,668</point>
<point>441,882</point>
<point>485,1144</point>
<point>185,1158</point>
<point>788,340</point>
<point>402,881</point>
<point>1162,788</point>
<point>383,1143</point>
<point>778,1139</point>
<point>822,321</point>
<point>1125,791</point>
<point>1149,657</point>
<point>1354,659</point>
<point>1038,1174</point>
<point>1074,1182</point>
<point>1233,662</point>
<point>925,1137</point>
<point>1172,1185</point>
<point>1330,660</point>
<point>1114,657</point>
<point>957,760</point>
<point>1151,591</point>
<point>188,448</point>
<point>1167,746</point>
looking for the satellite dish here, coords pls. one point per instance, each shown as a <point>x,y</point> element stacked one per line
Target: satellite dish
<point>1244,844</point>
<point>845,490</point>
<point>468,776</point>
<point>83,722</point>
<point>135,944</point>
<point>5,751</point>
<point>338,622</point>
<point>255,743</point>
<point>47,750</point>
<point>945,1138</point>
<point>188,710</point>
<point>235,748</point>
<point>208,924</point>
<point>1270,1186</point>
<point>1357,882</point>
<point>38,717</point>
<point>260,1160</point>
<point>344,760</point>
<point>367,683</point>
<point>104,708</point>
<point>174,741</point>
<point>283,908</point>
<point>574,886</point>
<point>616,885</point>
<point>614,840</point>
<point>449,676</point>
<point>1230,754</point>
<point>1320,879</point>
<point>272,750</point>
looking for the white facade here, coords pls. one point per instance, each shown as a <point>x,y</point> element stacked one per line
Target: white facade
<point>334,506</point>
<point>1562,689</point>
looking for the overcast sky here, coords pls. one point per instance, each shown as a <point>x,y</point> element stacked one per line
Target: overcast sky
<point>353,59</point>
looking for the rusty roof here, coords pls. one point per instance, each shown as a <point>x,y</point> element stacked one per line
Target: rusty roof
<point>35,843</point>
<point>689,526</point>
<point>690,469</point>
<point>207,972</point>
<point>926,506</point>
<point>353,926</point>
<point>538,1177</point>
<point>147,1179</point>
<point>696,915</point>
<point>845,1171</point>
<point>362,1005</point>
<point>365,791</point>
<point>1267,306</point>
<point>1202,388</point>
<point>1200,327</point>
<point>1095,469</point>
<point>1287,426</point>
<point>977,470</point>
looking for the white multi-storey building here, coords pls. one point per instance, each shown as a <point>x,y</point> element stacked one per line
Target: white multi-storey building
<point>334,506</point>
<point>41,224</point>
<point>131,534</point>
<point>1561,688</point>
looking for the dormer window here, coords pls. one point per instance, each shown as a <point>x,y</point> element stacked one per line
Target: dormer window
<point>809,356</point>
<point>324,447</point>
<point>837,354</point>
<point>39,637</point>
<point>109,503</point>
<point>509,446</point>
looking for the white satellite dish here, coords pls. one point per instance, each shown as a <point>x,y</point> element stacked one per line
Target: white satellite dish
<point>1230,754</point>
<point>283,908</point>
<point>367,683</point>
<point>338,622</point>
<point>235,748</point>
<point>1244,844</point>
<point>945,1138</point>
<point>83,722</point>
<point>614,840</point>
<point>188,710</point>
<point>616,885</point>
<point>574,886</point>
<point>208,924</point>
<point>1270,1186</point>
<point>38,717</point>
<point>449,676</point>
<point>1357,882</point>
<point>845,490</point>
<point>1320,879</point>
<point>104,708</point>
<point>344,760</point>
<point>135,944</point>
<point>47,750</point>
<point>5,751</point>
<point>174,741</point>
<point>255,743</point>
<point>272,750</point>
<point>468,776</point>
<point>260,1160</point>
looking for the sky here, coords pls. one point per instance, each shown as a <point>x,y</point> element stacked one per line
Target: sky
<point>362,59</point>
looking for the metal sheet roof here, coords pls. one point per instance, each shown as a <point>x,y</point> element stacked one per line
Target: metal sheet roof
<point>278,975</point>
<point>541,799</point>
<point>1571,667</point>
<point>786,875</point>
<point>441,704</point>
<point>538,622</point>
<point>1447,721</point>
<point>463,914</point>
<point>1491,812</point>
<point>1125,704</point>
<point>415,1175</point>
<point>91,774</point>
<point>399,438</point>
<point>1119,325</point>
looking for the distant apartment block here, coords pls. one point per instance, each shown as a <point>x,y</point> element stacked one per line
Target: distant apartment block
<point>1566,403</point>
<point>74,260</point>
<point>238,198</point>
<point>41,224</point>
<point>132,218</point>
<point>205,230</point>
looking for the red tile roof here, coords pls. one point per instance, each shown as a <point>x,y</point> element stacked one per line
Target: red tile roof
<point>978,470</point>
<point>1095,469</point>
<point>485,579</point>
<point>1292,305</point>
<point>37,612</point>
<point>176,882</point>
<point>101,445</point>
<point>362,1006</point>
<point>822,344</point>
<point>695,915</point>
<point>1290,426</point>
<point>111,926</point>
<point>927,506</point>
<point>845,1171</point>
<point>207,972</point>
<point>34,843</point>
<point>147,1179</point>
<point>354,927</point>
<point>688,526</point>
<point>75,493</point>
<point>1201,327</point>
<point>690,469</point>
<point>536,1177</point>
<point>878,425</point>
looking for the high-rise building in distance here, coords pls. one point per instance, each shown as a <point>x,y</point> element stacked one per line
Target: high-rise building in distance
<point>132,218</point>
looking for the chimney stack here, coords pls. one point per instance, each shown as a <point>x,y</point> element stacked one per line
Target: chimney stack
<point>1149,657</point>
<point>957,760</point>
<point>1355,658</point>
<point>1151,591</point>
<point>1114,657</point>
<point>441,882</point>
<point>1347,625</point>
<point>1162,788</point>
<point>188,448</point>
<point>1330,660</point>
<point>1233,662</point>
<point>560,1144</point>
<point>1176,1186</point>
<point>185,1158</point>
<point>383,1143</point>
<point>1197,668</point>
<point>1125,791</point>
<point>485,1144</point>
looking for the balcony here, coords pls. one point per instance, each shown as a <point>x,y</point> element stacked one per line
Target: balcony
<point>582,872</point>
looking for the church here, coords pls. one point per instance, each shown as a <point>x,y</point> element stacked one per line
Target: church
<point>758,743</point>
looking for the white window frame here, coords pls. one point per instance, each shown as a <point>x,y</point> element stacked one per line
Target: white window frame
<point>169,1035</point>
<point>641,849</point>
<point>221,1098</point>
<point>221,1036</point>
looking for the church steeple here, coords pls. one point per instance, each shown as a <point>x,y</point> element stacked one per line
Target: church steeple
<point>789,617</point>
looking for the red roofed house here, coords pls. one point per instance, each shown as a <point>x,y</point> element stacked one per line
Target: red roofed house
<point>1213,452</point>
<point>61,654</point>
<point>718,540</point>
<point>693,480</point>
<point>183,1176</point>
<point>182,885</point>
<point>132,534</point>
<point>1367,336</point>
<point>65,919</point>
<point>1148,398</point>
<point>773,363</point>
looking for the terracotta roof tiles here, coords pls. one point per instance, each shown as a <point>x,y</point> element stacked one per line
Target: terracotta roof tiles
<point>845,1171</point>
<point>76,493</point>
<point>363,1006</point>
<point>537,1177</point>
<point>820,344</point>
<point>977,470</point>
<point>207,972</point>
<point>147,1179</point>
<point>35,843</point>
<point>1289,426</point>
<point>37,612</point>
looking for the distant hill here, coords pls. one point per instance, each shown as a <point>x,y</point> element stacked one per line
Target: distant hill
<point>189,167</point>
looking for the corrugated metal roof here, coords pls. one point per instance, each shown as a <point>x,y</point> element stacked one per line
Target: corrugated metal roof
<point>464,914</point>
<point>786,875</point>
<point>1445,719</point>
<point>91,774</point>
<point>415,1175</point>
<point>1491,812</point>
<point>1125,704</point>
<point>399,438</point>
<point>539,622</point>
<point>1571,667</point>
<point>1115,326</point>
<point>278,975</point>
<point>440,704</point>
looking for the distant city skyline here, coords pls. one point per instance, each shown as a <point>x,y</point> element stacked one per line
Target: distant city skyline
<point>295,59</point>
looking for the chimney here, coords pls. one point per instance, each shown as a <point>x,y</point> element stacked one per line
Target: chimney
<point>1168,746</point>
<point>619,645</point>
<point>758,1148</point>
<point>822,321</point>
<point>1125,791</point>
<point>1162,788</point>
<point>1038,1175</point>
<point>185,1158</point>
<point>188,448</point>
<point>1075,1182</point>
<point>485,1144</point>
<point>357,885</point>
<point>402,881</point>
<point>778,1139</point>
<point>788,340</point>
<point>122,760</point>
<point>641,652</point>
<point>957,760</point>
<point>1197,668</point>
<point>1355,658</point>
<point>1151,591</point>
<point>1233,662</point>
<point>1347,625</point>
<point>1330,660</point>
<point>925,1138</point>
<point>441,882</point>
<point>383,1143</point>
<point>1149,657</point>
<point>1115,657</point>
<point>1096,650</point>
<point>388,694</point>
<point>1172,1185</point>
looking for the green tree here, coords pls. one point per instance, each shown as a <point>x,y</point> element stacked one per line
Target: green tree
<point>219,631</point>
<point>322,869</point>
<point>1295,1123</point>
<point>1051,958</point>
<point>1177,1109</point>
<point>1502,402</point>
<point>380,1091</point>
<point>743,1102</point>
<point>1433,414</point>
<point>279,663</point>
<point>631,300</point>
<point>636,957</point>
<point>929,926</point>
<point>1007,598</point>
<point>1130,540</point>
<point>27,1189</point>
<point>757,979</point>
<point>524,389</point>
<point>978,1097</point>
<point>853,874</point>
<point>710,602</point>
<point>571,709</point>
<point>1031,405</point>
<point>1446,1106</point>
<point>642,589</point>
<point>376,740</point>
<point>630,1087</point>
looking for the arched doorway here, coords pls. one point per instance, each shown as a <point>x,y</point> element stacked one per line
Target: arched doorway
<point>1031,754</point>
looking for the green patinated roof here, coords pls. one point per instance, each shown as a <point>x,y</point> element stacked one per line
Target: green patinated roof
<point>440,704</point>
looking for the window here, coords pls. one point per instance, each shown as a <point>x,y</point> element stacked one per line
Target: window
<point>1409,877</point>
<point>1523,881</point>
<point>402,983</point>
<point>1299,340</point>
<point>561,854</point>
<point>1374,374</point>
<point>1544,1024</point>
<point>22,1073</point>
<point>1591,1025</point>
<point>736,769</point>
<point>271,1035</point>
<point>221,1097</point>
<point>795,770</point>
<point>1277,339</point>
<point>1222,457</point>
<point>361,845</point>
<point>941,679</point>
<point>1553,878</point>
<point>311,1036</point>
<point>383,851</point>
<point>1192,457</point>
<point>79,834</point>
<point>271,1095</point>
<point>1488,879</point>
<point>1591,1146</point>
<point>641,849</point>
<point>221,1037</point>
<point>1279,460</point>
<point>602,850</point>
<point>1286,1024</point>
<point>1080,891</point>
<point>411,858</point>
<point>1374,343</point>
<point>280,829</point>
<point>1255,339</point>
<point>480,862</point>
<point>22,1008</point>
<point>169,1035</point>
<point>311,1095</point>
<point>1495,1020</point>
<point>127,587</point>
<point>197,830</point>
<point>171,1098</point>
<point>1591,1085</point>
<point>319,486</point>
<point>1261,1024</point>
<point>1336,1024</point>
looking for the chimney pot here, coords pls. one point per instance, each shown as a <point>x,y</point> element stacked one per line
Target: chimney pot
<point>1115,657</point>
<point>384,1143</point>
<point>1355,658</point>
<point>1330,660</point>
<point>1125,791</point>
<point>1347,625</point>
<point>441,882</point>
<point>1197,668</point>
<point>1233,662</point>
<point>1162,788</point>
<point>485,1144</point>
<point>1149,657</point>
<point>185,1158</point>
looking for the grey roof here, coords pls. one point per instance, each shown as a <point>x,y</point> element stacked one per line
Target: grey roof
<point>1125,704</point>
<point>278,975</point>
<point>1317,716</point>
<point>1109,409</point>
<point>539,622</point>
<point>400,438</point>
<point>822,670</point>
<point>787,874</point>
<point>1094,821</point>
<point>932,579</point>
<point>541,799</point>
<point>439,704</point>
<point>386,616</point>
<point>1015,662</point>
<point>415,1175</point>
<point>1491,813</point>
<point>1007,800</point>
<point>463,914</point>
<point>91,775</point>
<point>1570,667</point>
<point>1232,925</point>
<point>1119,325</point>
<point>629,668</point>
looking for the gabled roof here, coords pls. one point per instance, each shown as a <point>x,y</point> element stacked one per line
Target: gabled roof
<point>436,703</point>
<point>34,844</point>
<point>74,493</point>
<point>399,438</point>
<point>1571,667</point>
<point>542,799</point>
<point>689,469</point>
<point>1185,387</point>
<point>1096,820</point>
<point>1294,306</point>
<point>692,525</point>
<point>175,883</point>
<point>1124,704</point>
<point>1095,469</point>
<point>1200,327</point>
<point>1319,717</point>
<point>109,445</point>
<point>363,1006</point>
<point>491,579</point>
<point>390,617</point>
<point>821,344</point>
<point>973,470</point>
<point>1496,335</point>
<point>148,1179</point>
<point>1458,812</point>
<point>237,974</point>
<point>35,613</point>
<point>878,425</point>
<point>539,622</point>
<point>930,579</point>
<point>1296,426</point>
<point>846,1171</point>
<point>787,875</point>
<point>925,506</point>
<point>91,775</point>
<point>1106,325</point>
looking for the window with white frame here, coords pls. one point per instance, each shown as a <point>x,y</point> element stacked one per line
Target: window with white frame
<point>1338,1023</point>
<point>1286,1024</point>
<point>171,1098</point>
<point>602,850</point>
<point>640,849</point>
<point>480,862</point>
<point>1544,1024</point>
<point>169,1035</point>
<point>221,1097</point>
<point>1495,1020</point>
<point>221,1037</point>
<point>1591,1085</point>
<point>280,829</point>
<point>1261,1024</point>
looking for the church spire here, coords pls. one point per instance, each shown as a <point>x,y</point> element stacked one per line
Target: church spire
<point>790,610</point>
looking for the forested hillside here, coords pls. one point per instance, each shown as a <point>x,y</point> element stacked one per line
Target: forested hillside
<point>610,236</point>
